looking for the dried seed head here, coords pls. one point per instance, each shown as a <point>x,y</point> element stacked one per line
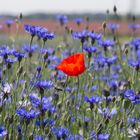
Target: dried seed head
<point>115,9</point>
<point>107,11</point>
<point>20,16</point>
<point>104,25</point>
<point>133,18</point>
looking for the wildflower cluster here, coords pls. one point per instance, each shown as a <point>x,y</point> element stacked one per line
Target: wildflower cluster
<point>58,91</point>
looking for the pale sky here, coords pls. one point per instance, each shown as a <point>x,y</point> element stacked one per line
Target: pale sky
<point>66,6</point>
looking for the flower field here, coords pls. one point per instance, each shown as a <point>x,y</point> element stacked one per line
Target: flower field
<point>78,84</point>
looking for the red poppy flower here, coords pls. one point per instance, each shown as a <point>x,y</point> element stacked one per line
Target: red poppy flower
<point>73,65</point>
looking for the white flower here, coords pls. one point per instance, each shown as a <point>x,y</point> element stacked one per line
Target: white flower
<point>7,88</point>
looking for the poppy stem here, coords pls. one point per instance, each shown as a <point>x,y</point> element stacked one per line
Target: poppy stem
<point>64,94</point>
<point>76,96</point>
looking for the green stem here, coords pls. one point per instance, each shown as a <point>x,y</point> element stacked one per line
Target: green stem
<point>76,96</point>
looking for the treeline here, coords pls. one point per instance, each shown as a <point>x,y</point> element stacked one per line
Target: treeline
<point>91,16</point>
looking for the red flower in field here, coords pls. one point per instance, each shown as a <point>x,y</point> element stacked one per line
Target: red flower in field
<point>73,65</point>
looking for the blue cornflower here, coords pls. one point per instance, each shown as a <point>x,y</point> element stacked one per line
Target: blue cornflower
<point>104,77</point>
<point>93,135</point>
<point>30,29</point>
<point>43,84</point>
<point>66,53</point>
<point>50,51</point>
<point>114,76</point>
<point>38,137</point>
<point>90,49</point>
<point>46,103</point>
<point>93,88</point>
<point>60,132</point>
<point>3,132</point>
<point>83,35</point>
<point>63,19</point>
<point>129,94</point>
<point>138,55</point>
<point>32,114</point>
<point>106,43</point>
<point>106,113</point>
<point>111,60</point>
<point>39,31</point>
<point>109,98</point>
<point>48,36</point>
<point>49,122</point>
<point>52,58</point>
<point>10,60</point>
<point>35,101</point>
<point>93,100</point>
<point>5,51</point>
<point>95,36</point>
<point>43,51</point>
<point>113,84</point>
<point>39,69</point>
<point>116,69</point>
<point>132,120</point>
<point>19,129</point>
<point>134,64</point>
<point>72,119</point>
<point>99,61</point>
<point>103,136</point>
<point>60,75</point>
<point>80,35</point>
<point>113,26</point>
<point>54,62</point>
<point>86,119</point>
<point>45,34</point>
<point>9,23</point>
<point>29,49</point>
<point>135,43</point>
<point>21,112</point>
<point>78,21</point>
<point>68,89</point>
<point>19,55</point>
<point>24,114</point>
<point>134,26</point>
<point>137,99</point>
<point>74,137</point>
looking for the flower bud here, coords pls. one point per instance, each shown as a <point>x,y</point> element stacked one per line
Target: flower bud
<point>91,106</point>
<point>9,66</point>
<point>56,96</point>
<point>106,93</point>
<point>45,56</point>
<point>30,54</point>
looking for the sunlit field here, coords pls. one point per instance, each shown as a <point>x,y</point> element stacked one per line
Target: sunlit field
<point>76,80</point>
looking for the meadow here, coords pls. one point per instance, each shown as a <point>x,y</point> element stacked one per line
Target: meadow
<point>74,84</point>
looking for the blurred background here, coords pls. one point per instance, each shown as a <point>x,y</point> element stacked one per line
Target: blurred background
<point>68,6</point>
<point>44,12</point>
